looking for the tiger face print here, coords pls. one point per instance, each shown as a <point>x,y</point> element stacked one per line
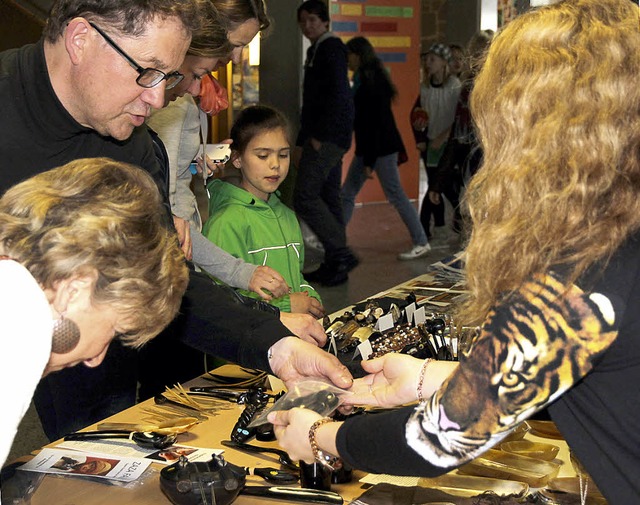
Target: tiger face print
<point>530,350</point>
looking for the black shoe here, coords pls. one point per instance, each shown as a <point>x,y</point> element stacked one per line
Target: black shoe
<point>344,263</point>
<point>327,276</point>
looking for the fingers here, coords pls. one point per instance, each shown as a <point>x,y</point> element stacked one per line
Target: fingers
<point>315,308</point>
<point>184,236</point>
<point>279,417</point>
<point>330,367</point>
<point>373,365</point>
<point>276,283</point>
<point>268,283</point>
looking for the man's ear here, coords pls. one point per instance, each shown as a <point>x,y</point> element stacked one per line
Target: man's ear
<point>77,36</point>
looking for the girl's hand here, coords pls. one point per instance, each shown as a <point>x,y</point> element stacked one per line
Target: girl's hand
<point>302,303</point>
<point>291,428</point>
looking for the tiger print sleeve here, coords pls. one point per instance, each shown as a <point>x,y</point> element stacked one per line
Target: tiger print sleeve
<point>531,350</point>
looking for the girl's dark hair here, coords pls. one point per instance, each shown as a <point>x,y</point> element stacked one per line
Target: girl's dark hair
<point>254,120</point>
<point>317,7</point>
<point>370,65</point>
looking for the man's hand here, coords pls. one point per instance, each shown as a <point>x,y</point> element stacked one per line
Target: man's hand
<point>268,283</point>
<point>184,236</point>
<point>292,360</point>
<point>304,326</point>
<point>302,303</point>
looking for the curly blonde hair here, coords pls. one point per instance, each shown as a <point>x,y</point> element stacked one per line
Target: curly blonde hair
<point>557,105</point>
<point>99,215</point>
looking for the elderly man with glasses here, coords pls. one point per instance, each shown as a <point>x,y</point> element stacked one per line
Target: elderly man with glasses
<point>85,90</point>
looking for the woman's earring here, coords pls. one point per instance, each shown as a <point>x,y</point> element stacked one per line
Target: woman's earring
<point>66,335</point>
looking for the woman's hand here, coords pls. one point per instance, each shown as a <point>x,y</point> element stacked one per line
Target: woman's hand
<point>302,303</point>
<point>184,236</point>
<point>268,283</point>
<point>208,167</point>
<point>392,381</point>
<point>291,428</point>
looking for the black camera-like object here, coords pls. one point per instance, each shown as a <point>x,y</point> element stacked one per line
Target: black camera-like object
<point>187,483</point>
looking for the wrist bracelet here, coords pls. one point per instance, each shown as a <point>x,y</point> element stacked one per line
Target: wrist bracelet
<point>325,459</point>
<point>421,379</point>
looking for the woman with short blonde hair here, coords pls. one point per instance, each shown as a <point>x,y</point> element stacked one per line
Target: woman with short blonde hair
<point>85,257</point>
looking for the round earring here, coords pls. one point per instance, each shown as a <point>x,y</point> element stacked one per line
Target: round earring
<point>66,335</point>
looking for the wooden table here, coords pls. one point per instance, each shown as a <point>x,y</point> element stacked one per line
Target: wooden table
<point>76,491</point>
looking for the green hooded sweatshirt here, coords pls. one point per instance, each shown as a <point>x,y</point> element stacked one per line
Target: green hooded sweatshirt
<point>259,232</point>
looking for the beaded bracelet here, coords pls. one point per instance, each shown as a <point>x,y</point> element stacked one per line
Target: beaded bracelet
<point>325,459</point>
<point>421,379</point>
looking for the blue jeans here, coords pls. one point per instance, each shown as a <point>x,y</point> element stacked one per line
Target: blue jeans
<point>386,167</point>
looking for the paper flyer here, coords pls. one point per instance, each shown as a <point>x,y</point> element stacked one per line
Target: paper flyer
<point>66,462</point>
<point>128,449</point>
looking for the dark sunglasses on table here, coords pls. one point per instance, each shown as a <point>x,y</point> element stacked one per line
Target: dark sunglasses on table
<point>148,77</point>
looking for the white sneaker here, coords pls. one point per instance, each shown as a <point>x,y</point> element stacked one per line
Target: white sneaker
<point>417,251</point>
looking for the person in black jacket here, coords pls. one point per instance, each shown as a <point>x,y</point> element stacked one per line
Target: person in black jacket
<point>326,127</point>
<point>74,95</point>
<point>378,142</point>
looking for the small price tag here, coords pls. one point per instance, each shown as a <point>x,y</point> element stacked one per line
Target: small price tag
<point>364,349</point>
<point>385,322</point>
<point>419,316</point>
<point>409,310</point>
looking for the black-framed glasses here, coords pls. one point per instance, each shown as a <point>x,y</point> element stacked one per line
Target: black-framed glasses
<point>148,77</point>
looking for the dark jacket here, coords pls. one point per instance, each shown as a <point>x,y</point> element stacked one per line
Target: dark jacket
<point>327,104</point>
<point>375,126</point>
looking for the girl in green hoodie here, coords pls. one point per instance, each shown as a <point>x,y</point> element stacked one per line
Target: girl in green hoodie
<point>250,221</point>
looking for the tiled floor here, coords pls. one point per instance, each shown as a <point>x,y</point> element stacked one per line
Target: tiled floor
<point>376,235</point>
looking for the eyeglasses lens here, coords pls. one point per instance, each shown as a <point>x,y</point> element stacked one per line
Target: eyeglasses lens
<point>151,77</point>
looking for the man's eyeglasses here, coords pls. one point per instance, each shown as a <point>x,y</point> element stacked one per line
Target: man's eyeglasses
<point>148,77</point>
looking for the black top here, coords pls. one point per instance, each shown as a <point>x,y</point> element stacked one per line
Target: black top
<point>38,133</point>
<point>375,127</point>
<point>327,104</point>
<point>578,353</point>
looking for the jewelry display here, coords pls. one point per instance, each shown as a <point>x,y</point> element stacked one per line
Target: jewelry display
<point>437,337</point>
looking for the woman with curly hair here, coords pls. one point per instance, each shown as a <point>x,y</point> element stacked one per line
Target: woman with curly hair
<point>85,257</point>
<point>553,268</point>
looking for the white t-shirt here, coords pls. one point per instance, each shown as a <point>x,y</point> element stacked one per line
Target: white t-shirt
<point>440,103</point>
<point>26,327</point>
